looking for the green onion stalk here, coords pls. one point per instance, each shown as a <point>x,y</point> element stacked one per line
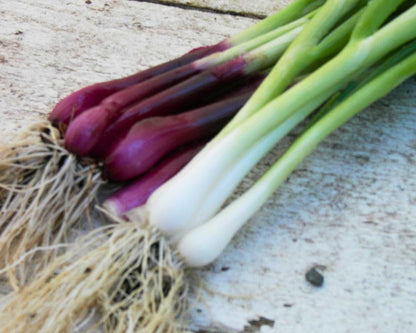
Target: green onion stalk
<point>134,273</point>
<point>366,46</point>
<point>308,48</point>
<point>205,243</point>
<point>47,191</point>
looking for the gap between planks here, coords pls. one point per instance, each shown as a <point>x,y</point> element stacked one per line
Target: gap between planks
<point>203,9</point>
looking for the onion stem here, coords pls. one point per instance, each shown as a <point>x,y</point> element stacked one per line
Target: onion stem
<point>178,213</point>
<point>204,243</point>
<point>311,45</point>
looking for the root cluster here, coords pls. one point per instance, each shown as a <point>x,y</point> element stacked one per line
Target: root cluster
<point>127,273</point>
<point>44,192</point>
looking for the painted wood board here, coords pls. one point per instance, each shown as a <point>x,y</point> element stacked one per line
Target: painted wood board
<point>349,208</point>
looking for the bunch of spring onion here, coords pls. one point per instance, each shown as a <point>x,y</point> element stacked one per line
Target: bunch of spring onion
<point>133,273</point>
<point>141,129</point>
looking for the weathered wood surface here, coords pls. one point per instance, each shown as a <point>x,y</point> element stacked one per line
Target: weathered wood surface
<point>350,207</point>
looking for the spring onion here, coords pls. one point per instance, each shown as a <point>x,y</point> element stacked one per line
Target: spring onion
<point>306,95</point>
<point>152,138</point>
<point>137,192</point>
<point>45,190</point>
<point>348,55</point>
<point>85,137</point>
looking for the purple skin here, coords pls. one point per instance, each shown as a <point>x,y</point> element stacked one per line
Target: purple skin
<point>136,193</point>
<point>74,104</point>
<point>84,132</point>
<point>182,96</point>
<point>152,138</point>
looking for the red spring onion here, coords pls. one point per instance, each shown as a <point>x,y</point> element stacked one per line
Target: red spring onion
<point>152,138</point>
<point>89,126</point>
<point>138,191</point>
<point>183,95</point>
<point>85,98</point>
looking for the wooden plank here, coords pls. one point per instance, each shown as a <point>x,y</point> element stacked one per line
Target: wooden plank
<point>350,208</point>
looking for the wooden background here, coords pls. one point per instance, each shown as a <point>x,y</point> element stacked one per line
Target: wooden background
<point>349,208</point>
